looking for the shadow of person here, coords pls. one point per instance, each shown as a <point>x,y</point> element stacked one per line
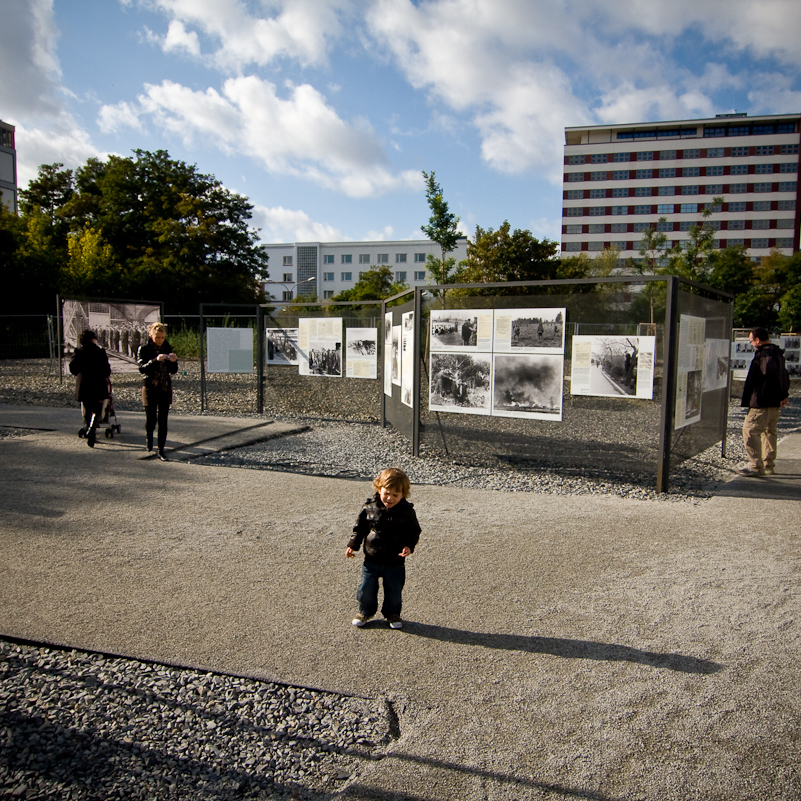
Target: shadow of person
<point>565,648</point>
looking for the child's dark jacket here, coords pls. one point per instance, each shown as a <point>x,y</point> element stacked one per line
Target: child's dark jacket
<point>385,532</point>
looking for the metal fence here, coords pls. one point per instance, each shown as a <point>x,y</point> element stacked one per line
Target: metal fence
<point>28,336</point>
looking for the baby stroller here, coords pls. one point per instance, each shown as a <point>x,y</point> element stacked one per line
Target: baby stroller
<point>106,413</point>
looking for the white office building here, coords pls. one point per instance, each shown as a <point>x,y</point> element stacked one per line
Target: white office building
<point>8,167</point>
<point>325,269</point>
<point>620,180</point>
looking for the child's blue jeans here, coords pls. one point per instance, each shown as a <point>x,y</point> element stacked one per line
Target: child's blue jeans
<point>394,577</point>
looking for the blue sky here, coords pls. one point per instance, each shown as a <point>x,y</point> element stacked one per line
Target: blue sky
<point>325,112</point>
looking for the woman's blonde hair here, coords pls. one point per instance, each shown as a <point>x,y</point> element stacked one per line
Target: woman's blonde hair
<point>153,327</point>
<point>394,479</point>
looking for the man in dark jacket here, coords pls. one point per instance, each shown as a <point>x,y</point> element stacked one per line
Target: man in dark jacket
<point>767,387</point>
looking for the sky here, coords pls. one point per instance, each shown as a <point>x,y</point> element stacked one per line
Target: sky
<point>325,113</point>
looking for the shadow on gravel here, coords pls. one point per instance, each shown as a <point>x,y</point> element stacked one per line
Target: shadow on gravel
<point>568,649</point>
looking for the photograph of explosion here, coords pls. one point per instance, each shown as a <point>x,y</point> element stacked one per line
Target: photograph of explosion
<point>528,385</point>
<point>460,382</point>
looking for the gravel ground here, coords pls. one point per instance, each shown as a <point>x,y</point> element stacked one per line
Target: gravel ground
<point>87,726</point>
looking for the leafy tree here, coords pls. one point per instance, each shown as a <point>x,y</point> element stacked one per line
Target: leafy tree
<point>694,259</point>
<point>732,270</point>
<point>442,228</point>
<point>376,283</point>
<point>49,192</point>
<point>90,263</point>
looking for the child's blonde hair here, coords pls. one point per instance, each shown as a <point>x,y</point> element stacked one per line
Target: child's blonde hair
<point>394,479</point>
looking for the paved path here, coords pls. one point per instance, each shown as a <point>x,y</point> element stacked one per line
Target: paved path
<point>555,647</point>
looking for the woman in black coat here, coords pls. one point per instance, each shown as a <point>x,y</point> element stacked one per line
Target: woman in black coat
<point>90,365</point>
<point>158,364</point>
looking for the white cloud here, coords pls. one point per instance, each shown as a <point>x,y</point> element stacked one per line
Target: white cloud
<point>298,135</point>
<point>178,38</point>
<point>278,224</point>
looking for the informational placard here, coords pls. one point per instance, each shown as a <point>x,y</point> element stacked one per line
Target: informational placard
<point>388,354</point>
<point>407,358</point>
<point>791,345</point>
<point>460,330</point>
<point>716,364</point>
<point>229,350</point>
<point>529,331</point>
<point>460,382</point>
<point>690,377</point>
<point>396,355</point>
<point>613,366</point>
<point>361,352</point>
<point>282,345</point>
<point>320,346</point>
<point>527,385</point>
<point>742,351</point>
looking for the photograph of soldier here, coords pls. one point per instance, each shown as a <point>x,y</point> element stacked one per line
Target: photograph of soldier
<point>460,382</point>
<point>527,385</point>
<point>454,329</point>
<point>326,360</point>
<point>282,346</point>
<point>529,331</point>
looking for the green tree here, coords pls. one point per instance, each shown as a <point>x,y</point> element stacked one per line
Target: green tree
<point>49,192</point>
<point>90,263</point>
<point>694,259</point>
<point>442,228</point>
<point>376,283</point>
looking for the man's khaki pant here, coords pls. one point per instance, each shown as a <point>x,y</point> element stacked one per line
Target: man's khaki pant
<point>760,436</point>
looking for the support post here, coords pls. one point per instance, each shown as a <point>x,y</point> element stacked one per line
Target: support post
<point>671,346</point>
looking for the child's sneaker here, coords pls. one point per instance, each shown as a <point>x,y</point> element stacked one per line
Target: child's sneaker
<point>360,619</point>
<point>395,622</point>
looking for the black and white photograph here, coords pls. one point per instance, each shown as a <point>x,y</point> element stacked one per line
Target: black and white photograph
<point>388,354</point>
<point>461,330</point>
<point>396,355</point>
<point>742,351</point>
<point>407,358</point>
<point>610,366</point>
<point>320,346</point>
<point>361,353</point>
<point>716,364</point>
<point>460,382</point>
<point>527,385</point>
<point>529,331</point>
<point>282,345</point>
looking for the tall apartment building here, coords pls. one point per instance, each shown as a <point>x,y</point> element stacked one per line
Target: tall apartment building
<point>620,180</point>
<point>8,167</point>
<point>325,269</point>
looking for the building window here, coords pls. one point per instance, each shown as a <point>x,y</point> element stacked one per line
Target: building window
<point>691,172</point>
<point>645,155</point>
<point>598,158</point>
<point>620,191</point>
<point>642,191</point>
<point>785,223</point>
<point>572,247</point>
<point>400,276</point>
<point>419,258</point>
<point>382,258</point>
<point>692,153</point>
<point>789,150</point>
<point>574,211</point>
<point>620,175</point>
<point>739,152</point>
<point>364,258</point>
<point>617,210</point>
<point>667,172</point>
<point>685,225</point>
<point>716,170</point>
<point>328,259</point>
<point>789,166</point>
<point>328,276</point>
<point>664,191</point>
<point>575,177</point>
<point>784,243</point>
<point>620,245</point>
<point>714,152</point>
<point>643,175</point>
<point>738,206</point>
<point>761,205</point>
<point>733,243</point>
<point>742,169</point>
<point>286,294</point>
<point>736,225</point>
<point>739,130</point>
<point>689,208</point>
<point>287,277</point>
<point>642,209</point>
<point>575,159</point>
<point>786,205</point>
<point>738,189</point>
<point>595,245</point>
<point>759,243</point>
<point>785,186</point>
<point>328,294</point>
<point>664,226</point>
<point>598,176</point>
<point>760,225</point>
<point>573,229</point>
<point>640,227</point>
<point>346,258</point>
<point>764,150</point>
<point>400,258</point>
<point>763,169</point>
<point>622,157</point>
<point>346,276</point>
<point>714,189</point>
<point>619,228</point>
<point>763,187</point>
<point>667,155</point>
<point>419,275</point>
<point>597,211</point>
<point>596,228</point>
<point>712,131</point>
<point>575,194</point>
<point>597,193</point>
<point>664,208</point>
<point>287,261</point>
<point>689,190</point>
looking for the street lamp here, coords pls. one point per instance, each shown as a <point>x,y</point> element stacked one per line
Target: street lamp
<point>289,284</point>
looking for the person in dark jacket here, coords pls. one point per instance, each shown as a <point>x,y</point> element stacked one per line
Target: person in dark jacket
<point>158,364</point>
<point>767,387</point>
<point>90,365</point>
<point>388,530</point>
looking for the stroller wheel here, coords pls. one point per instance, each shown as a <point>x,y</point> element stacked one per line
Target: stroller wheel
<point>109,434</point>
<point>81,433</point>
<point>117,428</point>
